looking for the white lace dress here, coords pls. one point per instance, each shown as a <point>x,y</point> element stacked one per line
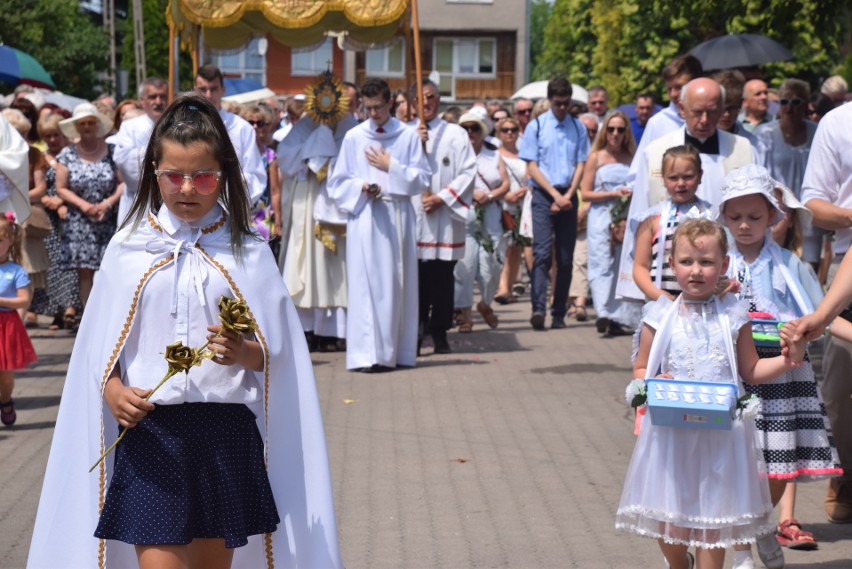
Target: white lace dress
<point>701,488</point>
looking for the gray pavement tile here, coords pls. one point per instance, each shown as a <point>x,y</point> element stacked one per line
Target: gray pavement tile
<point>510,452</point>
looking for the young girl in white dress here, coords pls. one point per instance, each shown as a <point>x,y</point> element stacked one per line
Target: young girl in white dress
<point>226,463</point>
<point>699,488</point>
<point>793,430</point>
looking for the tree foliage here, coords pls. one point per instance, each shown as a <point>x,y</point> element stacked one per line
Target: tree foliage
<point>156,30</point>
<point>60,36</point>
<point>624,44</point>
<point>539,15</point>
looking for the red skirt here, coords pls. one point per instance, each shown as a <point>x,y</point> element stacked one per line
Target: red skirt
<point>16,350</point>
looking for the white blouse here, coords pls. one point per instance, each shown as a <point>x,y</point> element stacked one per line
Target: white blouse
<point>177,303</point>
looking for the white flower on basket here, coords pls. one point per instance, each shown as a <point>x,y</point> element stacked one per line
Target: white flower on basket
<point>748,406</point>
<point>636,393</point>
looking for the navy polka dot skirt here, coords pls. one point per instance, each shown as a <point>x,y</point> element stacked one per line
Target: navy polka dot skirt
<point>190,471</point>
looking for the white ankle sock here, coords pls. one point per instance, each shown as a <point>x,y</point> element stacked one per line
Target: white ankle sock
<point>743,559</point>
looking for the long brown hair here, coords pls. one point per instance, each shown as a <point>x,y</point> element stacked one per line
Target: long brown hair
<point>628,143</point>
<point>189,119</point>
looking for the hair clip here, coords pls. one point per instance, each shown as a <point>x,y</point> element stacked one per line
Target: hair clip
<point>192,107</point>
<point>10,216</point>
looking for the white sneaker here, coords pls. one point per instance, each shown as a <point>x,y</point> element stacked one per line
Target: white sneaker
<point>770,552</point>
<point>745,563</point>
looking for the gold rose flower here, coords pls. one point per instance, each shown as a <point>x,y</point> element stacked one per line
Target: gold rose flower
<point>234,315</point>
<point>180,358</point>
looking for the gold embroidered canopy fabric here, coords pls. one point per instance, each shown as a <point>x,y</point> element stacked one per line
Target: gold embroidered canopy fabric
<point>228,24</point>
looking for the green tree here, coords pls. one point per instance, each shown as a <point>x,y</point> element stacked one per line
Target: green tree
<point>60,36</point>
<point>539,15</point>
<point>156,29</point>
<point>624,44</point>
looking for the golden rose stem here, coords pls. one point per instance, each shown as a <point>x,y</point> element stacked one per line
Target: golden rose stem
<point>169,375</point>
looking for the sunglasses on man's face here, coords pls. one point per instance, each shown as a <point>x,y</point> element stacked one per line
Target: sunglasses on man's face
<point>618,129</point>
<point>472,127</point>
<point>203,181</point>
<point>523,111</point>
<point>260,123</point>
<point>510,130</point>
<point>795,102</point>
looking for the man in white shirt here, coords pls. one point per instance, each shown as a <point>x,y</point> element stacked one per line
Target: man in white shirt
<point>441,214</point>
<point>131,140</point>
<point>598,102</point>
<point>210,83</point>
<point>827,192</point>
<point>381,166</point>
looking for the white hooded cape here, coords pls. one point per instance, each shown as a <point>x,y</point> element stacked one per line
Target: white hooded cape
<point>289,416</point>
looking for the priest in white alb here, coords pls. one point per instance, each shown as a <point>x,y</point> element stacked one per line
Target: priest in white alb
<point>315,259</point>
<point>381,166</point>
<point>701,104</point>
<point>131,140</point>
<point>441,215</point>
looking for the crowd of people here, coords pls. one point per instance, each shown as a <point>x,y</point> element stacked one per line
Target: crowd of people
<point>393,219</point>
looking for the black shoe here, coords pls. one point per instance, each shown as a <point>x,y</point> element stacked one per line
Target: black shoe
<point>537,321</point>
<point>519,289</point>
<point>442,346</point>
<point>602,324</point>
<point>557,324</point>
<point>614,330</point>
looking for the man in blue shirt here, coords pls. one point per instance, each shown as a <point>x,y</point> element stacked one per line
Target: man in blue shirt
<point>644,111</point>
<point>555,147</point>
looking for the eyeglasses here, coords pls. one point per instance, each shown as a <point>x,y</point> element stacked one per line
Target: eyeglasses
<point>260,123</point>
<point>795,102</point>
<point>508,130</point>
<point>618,129</point>
<point>523,111</point>
<point>202,181</point>
<point>472,127</point>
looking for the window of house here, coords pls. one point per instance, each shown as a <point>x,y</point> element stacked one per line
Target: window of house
<point>463,57</point>
<point>387,61</point>
<point>247,63</point>
<point>313,61</point>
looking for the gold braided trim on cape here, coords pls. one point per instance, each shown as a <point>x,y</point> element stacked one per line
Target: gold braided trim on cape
<point>206,229</point>
<point>328,233</point>
<point>267,537</point>
<point>110,366</point>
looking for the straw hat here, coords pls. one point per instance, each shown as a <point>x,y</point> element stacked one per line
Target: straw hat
<point>82,111</point>
<point>475,118</point>
<point>748,180</point>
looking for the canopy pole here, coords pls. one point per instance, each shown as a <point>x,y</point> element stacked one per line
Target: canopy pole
<point>171,61</point>
<point>418,67</point>
<point>409,64</point>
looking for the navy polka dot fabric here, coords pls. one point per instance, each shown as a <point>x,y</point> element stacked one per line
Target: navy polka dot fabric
<point>190,471</point>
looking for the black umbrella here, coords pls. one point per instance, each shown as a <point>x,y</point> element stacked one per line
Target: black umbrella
<point>739,50</point>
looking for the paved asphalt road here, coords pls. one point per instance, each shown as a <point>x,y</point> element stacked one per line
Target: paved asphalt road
<point>510,452</point>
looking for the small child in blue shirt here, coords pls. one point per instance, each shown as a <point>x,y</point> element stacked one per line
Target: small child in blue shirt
<point>16,350</point>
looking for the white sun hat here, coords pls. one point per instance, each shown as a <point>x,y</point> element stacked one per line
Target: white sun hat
<point>82,111</point>
<point>748,180</point>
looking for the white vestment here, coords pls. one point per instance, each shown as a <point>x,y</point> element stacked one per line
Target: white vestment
<point>381,253</point>
<point>14,172</point>
<point>314,274</point>
<point>649,190</point>
<point>287,408</point>
<point>440,234</point>
<point>131,143</point>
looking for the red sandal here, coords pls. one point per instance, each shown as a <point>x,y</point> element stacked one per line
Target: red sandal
<point>791,535</point>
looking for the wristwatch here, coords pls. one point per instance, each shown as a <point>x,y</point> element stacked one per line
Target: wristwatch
<point>373,190</point>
